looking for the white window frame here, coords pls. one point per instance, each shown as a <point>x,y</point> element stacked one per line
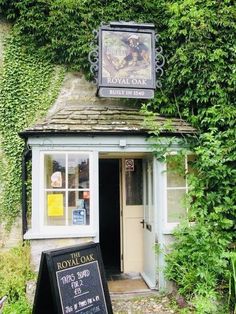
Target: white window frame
<point>170,226</point>
<point>38,229</point>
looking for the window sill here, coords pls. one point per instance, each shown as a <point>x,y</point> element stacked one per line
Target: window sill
<point>31,235</point>
<point>169,228</point>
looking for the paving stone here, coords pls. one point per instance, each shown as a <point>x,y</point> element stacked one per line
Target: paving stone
<point>142,305</point>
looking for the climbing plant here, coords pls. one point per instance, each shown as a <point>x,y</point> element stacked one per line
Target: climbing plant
<point>63,29</point>
<point>198,38</point>
<point>28,87</point>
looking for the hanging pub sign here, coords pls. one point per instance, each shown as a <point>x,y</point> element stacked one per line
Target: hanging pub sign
<point>125,62</point>
<point>72,280</point>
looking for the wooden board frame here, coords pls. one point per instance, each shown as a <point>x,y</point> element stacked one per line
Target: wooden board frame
<point>64,270</point>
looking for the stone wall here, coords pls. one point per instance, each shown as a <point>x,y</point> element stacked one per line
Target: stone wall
<point>9,239</point>
<point>4,31</point>
<point>76,90</point>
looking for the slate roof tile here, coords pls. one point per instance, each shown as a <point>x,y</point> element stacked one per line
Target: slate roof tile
<point>98,118</point>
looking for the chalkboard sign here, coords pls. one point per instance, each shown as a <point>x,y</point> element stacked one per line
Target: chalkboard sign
<point>72,280</point>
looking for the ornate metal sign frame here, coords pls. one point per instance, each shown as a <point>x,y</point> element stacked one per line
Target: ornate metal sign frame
<point>125,62</point>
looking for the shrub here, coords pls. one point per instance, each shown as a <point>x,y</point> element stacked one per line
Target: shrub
<point>15,272</point>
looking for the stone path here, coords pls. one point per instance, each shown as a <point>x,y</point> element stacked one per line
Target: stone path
<point>142,305</point>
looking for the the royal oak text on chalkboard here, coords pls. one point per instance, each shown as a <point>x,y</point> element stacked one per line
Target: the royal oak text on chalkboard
<point>72,280</point>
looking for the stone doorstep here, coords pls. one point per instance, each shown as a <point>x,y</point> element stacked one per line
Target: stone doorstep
<point>134,294</point>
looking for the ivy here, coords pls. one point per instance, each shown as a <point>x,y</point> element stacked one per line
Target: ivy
<point>201,87</point>
<point>63,30</point>
<point>28,87</point>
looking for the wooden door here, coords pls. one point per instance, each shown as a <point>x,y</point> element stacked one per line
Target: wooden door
<point>132,203</point>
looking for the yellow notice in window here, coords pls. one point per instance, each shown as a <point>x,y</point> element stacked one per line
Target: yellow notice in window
<point>55,205</point>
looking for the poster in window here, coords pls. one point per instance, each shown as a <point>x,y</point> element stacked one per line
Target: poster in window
<point>79,216</point>
<point>56,179</point>
<point>55,205</point>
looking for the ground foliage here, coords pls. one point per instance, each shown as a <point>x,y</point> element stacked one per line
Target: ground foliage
<point>15,272</point>
<point>198,38</point>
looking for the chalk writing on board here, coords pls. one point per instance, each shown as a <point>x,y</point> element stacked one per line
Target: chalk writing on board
<point>80,289</point>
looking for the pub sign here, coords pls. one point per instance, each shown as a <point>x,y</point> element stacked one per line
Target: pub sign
<point>126,60</point>
<point>72,280</point>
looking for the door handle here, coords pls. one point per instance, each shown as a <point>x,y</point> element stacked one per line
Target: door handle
<point>142,222</point>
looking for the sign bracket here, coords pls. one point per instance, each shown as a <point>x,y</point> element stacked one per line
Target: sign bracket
<point>124,60</point>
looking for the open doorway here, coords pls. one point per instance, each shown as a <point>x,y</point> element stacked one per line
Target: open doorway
<point>109,214</point>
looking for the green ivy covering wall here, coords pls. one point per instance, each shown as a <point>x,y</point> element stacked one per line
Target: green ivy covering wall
<point>28,87</point>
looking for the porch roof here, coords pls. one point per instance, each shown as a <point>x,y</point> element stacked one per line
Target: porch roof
<point>105,119</point>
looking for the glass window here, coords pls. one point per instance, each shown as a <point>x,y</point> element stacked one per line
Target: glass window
<point>55,213</point>
<point>177,168</point>
<point>175,205</point>
<point>149,198</point>
<point>175,171</point>
<point>54,170</point>
<point>134,182</point>
<point>66,189</point>
<point>78,172</point>
<point>190,165</point>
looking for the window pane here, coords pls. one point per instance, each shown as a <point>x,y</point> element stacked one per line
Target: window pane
<point>151,183</point>
<point>175,171</point>
<point>146,186</point>
<point>55,208</point>
<point>134,184</point>
<point>175,205</point>
<point>152,194</point>
<point>149,192</point>
<point>79,208</point>
<point>146,183</point>
<point>78,171</point>
<point>54,171</point>
<point>70,203</point>
<point>191,159</point>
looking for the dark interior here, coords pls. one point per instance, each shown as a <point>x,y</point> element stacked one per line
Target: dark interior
<point>109,214</point>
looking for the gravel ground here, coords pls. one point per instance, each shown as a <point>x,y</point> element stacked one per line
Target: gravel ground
<point>144,304</point>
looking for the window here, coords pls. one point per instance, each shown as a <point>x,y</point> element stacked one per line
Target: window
<point>66,189</point>
<point>134,181</point>
<point>148,193</point>
<point>64,194</point>
<point>176,186</point>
